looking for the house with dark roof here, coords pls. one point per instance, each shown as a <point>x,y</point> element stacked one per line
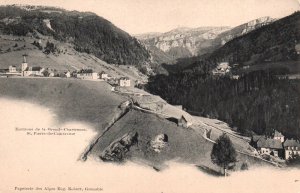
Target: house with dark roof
<point>88,74</point>
<point>12,69</point>
<point>291,147</point>
<point>270,146</point>
<point>255,139</point>
<point>33,71</point>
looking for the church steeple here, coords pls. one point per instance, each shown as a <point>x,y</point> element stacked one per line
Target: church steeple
<point>24,65</point>
<point>24,58</point>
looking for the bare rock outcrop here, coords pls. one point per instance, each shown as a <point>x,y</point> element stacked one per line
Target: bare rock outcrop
<point>159,142</point>
<point>117,150</point>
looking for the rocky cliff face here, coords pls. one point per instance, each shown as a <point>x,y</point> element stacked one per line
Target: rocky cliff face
<point>181,42</point>
<point>244,29</point>
<point>187,42</point>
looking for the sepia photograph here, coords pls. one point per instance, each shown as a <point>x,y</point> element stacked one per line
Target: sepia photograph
<point>150,96</point>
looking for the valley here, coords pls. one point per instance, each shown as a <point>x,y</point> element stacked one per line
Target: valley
<point>234,81</point>
<point>189,42</point>
<point>95,104</point>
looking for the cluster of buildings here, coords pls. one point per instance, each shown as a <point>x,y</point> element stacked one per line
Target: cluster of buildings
<point>89,74</point>
<point>276,145</point>
<point>25,70</point>
<point>222,69</point>
<point>85,74</point>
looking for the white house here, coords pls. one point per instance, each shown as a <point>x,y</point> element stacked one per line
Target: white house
<point>12,69</point>
<point>87,74</point>
<point>124,82</point>
<point>33,71</point>
<point>278,136</point>
<point>68,74</point>
<point>51,74</point>
<point>103,75</point>
<point>291,147</point>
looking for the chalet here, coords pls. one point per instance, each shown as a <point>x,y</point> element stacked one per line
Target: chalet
<point>278,136</point>
<point>33,71</point>
<point>291,147</point>
<point>88,74</point>
<point>270,147</point>
<point>124,82</point>
<point>185,121</point>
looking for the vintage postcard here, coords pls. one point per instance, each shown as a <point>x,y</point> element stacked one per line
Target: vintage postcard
<point>149,96</point>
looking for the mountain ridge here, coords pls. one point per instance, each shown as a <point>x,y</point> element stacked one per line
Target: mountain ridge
<point>87,31</point>
<point>186,42</point>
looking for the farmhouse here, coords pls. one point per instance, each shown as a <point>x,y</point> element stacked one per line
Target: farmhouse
<point>87,74</point>
<point>185,121</point>
<point>12,69</point>
<point>291,147</point>
<point>33,71</point>
<point>124,82</point>
<point>270,146</point>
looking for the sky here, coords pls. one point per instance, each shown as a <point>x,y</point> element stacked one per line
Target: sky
<point>142,16</point>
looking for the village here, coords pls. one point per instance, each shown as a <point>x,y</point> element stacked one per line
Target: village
<point>277,146</point>
<point>25,70</point>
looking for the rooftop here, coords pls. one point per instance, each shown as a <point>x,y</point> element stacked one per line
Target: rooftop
<point>269,143</point>
<point>255,138</point>
<point>278,134</point>
<point>291,143</point>
<point>35,68</point>
<point>124,78</point>
<point>86,71</point>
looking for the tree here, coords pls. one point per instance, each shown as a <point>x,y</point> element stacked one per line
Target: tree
<point>223,152</point>
<point>46,73</point>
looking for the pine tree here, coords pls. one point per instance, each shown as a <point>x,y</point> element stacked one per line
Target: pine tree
<point>223,152</point>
